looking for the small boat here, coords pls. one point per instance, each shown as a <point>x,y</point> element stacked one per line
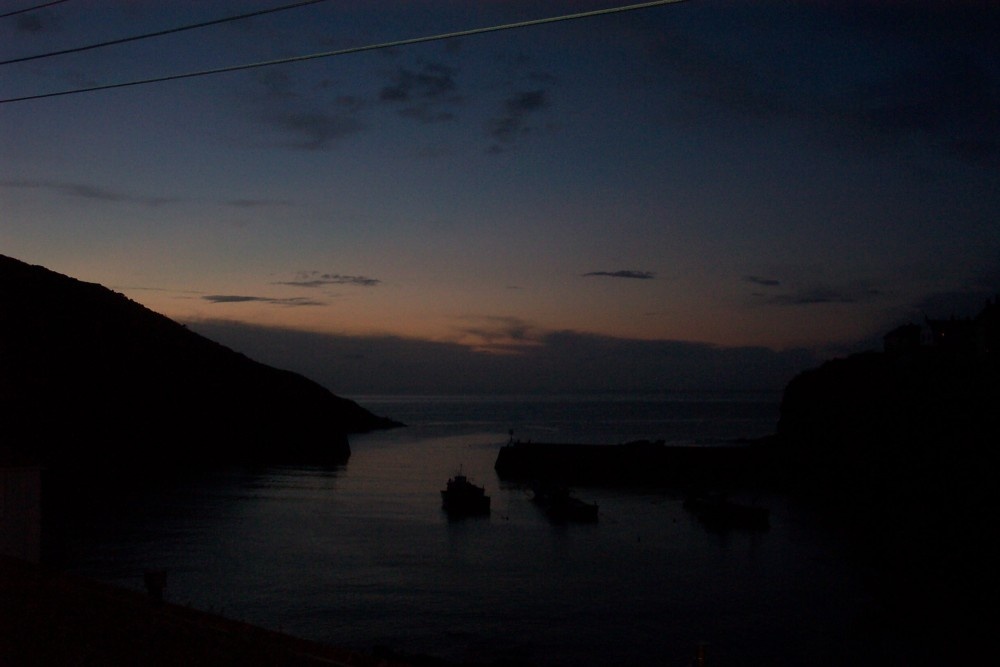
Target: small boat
<point>463,498</point>
<point>719,512</point>
<point>560,506</point>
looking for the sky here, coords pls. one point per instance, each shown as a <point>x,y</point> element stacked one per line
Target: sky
<point>691,196</point>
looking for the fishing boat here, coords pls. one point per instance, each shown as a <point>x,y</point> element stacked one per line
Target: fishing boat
<point>461,497</point>
<point>560,506</point>
<point>717,511</point>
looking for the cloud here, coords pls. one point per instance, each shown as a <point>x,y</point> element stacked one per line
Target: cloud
<point>315,130</point>
<point>554,362</point>
<point>825,295</point>
<point>29,23</point>
<point>311,117</point>
<point>236,298</point>
<point>625,273</point>
<point>424,113</point>
<point>306,114</point>
<point>258,203</point>
<point>317,279</point>
<point>87,191</point>
<point>423,93</point>
<point>764,282</point>
<point>35,22</point>
<point>432,80</point>
<point>499,334</point>
<point>517,109</point>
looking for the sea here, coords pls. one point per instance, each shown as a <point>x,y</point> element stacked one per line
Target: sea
<point>362,555</point>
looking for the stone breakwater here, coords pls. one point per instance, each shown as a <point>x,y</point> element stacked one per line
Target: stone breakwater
<point>640,462</point>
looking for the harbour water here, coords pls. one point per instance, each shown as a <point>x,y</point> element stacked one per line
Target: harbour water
<point>362,555</point>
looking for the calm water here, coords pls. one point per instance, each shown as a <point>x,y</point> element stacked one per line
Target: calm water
<point>362,555</point>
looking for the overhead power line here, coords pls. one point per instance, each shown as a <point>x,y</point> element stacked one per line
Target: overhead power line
<point>159,33</point>
<point>347,51</point>
<point>31,9</point>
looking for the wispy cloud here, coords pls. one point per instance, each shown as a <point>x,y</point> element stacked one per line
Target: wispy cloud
<point>432,80</point>
<point>520,359</point>
<point>624,273</point>
<point>424,94</point>
<point>237,298</point>
<point>317,279</point>
<point>305,114</point>
<point>763,282</point>
<point>258,203</point>
<point>35,22</point>
<point>514,122</point>
<point>310,118</point>
<point>88,191</point>
<point>498,334</point>
<point>316,129</point>
<point>825,295</point>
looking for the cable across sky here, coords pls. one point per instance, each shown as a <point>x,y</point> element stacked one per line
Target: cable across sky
<point>347,51</point>
<point>32,8</point>
<point>159,33</point>
<point>701,194</point>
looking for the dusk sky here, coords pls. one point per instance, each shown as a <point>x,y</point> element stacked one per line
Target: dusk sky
<point>687,196</point>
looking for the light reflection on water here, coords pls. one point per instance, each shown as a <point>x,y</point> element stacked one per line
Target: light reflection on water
<point>363,555</point>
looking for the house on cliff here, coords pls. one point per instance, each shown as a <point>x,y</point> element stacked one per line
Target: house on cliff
<point>956,336</point>
<point>989,323</point>
<point>969,338</point>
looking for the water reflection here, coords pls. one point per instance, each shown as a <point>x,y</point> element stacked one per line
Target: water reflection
<point>363,555</point>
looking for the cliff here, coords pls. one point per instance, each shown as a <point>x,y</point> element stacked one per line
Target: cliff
<point>88,376</point>
<point>873,421</point>
<point>901,450</point>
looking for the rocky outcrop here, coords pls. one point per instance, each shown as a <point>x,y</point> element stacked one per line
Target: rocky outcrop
<point>88,376</point>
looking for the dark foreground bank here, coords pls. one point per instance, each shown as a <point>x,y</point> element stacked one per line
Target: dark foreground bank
<point>49,618</point>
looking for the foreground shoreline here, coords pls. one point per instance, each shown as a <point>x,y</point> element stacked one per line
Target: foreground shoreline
<point>53,618</point>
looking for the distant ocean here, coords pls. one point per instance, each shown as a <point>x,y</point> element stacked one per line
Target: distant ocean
<point>362,555</point>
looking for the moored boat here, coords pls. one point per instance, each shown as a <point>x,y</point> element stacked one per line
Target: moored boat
<point>461,497</point>
<point>560,506</point>
<point>719,512</point>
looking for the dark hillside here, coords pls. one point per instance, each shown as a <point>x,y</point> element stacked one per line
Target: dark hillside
<point>89,376</point>
<point>872,421</point>
<point>901,447</point>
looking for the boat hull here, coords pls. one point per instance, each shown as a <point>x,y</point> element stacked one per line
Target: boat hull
<point>463,498</point>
